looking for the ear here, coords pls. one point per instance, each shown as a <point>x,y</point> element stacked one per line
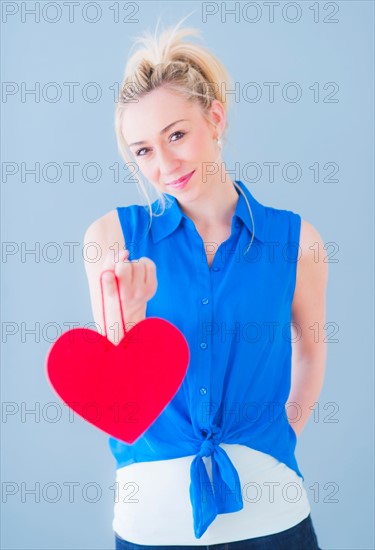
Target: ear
<point>218,117</point>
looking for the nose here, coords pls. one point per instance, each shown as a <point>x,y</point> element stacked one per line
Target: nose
<point>168,165</point>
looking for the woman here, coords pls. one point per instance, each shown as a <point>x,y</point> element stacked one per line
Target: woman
<point>232,275</point>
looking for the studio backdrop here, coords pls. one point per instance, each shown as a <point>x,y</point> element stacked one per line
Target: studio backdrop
<point>300,137</point>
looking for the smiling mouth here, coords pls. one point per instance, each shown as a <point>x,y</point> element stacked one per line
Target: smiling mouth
<point>182,179</point>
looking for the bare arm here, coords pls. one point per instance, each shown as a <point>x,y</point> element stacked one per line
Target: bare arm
<point>107,237</point>
<point>308,313</point>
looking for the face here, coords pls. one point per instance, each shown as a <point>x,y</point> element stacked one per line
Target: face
<point>166,150</point>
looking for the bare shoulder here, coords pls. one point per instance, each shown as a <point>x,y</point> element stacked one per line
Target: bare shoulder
<point>310,239</point>
<point>102,235</point>
<point>312,267</point>
<point>107,226</point>
<point>105,232</point>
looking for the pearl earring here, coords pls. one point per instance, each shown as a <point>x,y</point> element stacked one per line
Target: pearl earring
<point>219,142</point>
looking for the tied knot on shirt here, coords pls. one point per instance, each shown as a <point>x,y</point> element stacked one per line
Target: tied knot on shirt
<point>207,447</point>
<point>207,498</point>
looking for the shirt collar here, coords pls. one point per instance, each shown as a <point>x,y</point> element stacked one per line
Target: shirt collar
<point>164,225</point>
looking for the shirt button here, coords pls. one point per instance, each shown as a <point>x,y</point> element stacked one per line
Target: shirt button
<point>203,345</point>
<point>203,391</point>
<point>204,301</point>
<point>216,269</point>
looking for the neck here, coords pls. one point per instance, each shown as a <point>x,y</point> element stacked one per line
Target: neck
<point>215,205</point>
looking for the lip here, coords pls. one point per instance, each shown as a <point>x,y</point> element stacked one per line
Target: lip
<point>181,181</point>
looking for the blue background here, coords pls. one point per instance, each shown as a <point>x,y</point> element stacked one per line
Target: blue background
<point>335,450</point>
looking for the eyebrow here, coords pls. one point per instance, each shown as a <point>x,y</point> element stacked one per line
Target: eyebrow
<point>161,132</point>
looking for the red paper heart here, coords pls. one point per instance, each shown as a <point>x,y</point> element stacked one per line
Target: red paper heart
<point>123,388</point>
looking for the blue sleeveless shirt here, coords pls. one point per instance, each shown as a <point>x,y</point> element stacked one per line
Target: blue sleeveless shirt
<point>236,317</point>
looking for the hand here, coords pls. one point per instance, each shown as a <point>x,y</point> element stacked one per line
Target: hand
<point>137,285</point>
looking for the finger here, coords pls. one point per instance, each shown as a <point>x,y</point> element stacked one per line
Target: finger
<point>122,256</point>
<point>124,271</point>
<point>146,282</point>
<point>151,281</point>
<point>139,273</point>
<point>107,261</point>
<point>150,272</point>
<point>108,276</point>
<point>108,282</point>
<point>109,289</point>
<point>113,258</point>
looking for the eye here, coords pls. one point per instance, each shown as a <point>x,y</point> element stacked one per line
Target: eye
<point>178,132</point>
<point>139,150</point>
<point>137,153</point>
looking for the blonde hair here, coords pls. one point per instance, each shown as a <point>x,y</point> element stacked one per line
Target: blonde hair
<point>182,67</point>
